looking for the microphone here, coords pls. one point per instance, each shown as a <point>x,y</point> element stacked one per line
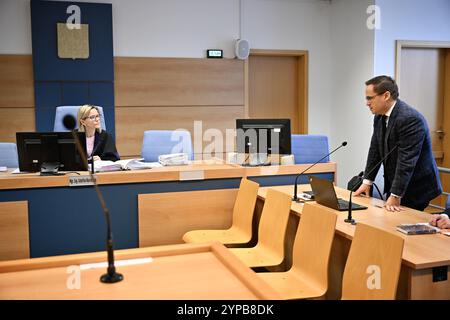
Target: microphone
<point>111,276</point>
<point>295,197</point>
<point>356,182</point>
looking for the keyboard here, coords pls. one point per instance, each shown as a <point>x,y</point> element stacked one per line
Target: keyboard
<point>343,205</point>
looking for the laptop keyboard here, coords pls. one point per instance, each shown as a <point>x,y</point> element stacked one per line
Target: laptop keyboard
<point>343,204</point>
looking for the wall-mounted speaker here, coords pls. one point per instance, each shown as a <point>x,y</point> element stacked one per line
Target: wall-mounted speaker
<point>242,49</point>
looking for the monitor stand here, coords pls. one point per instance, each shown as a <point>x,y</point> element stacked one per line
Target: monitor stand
<point>50,169</point>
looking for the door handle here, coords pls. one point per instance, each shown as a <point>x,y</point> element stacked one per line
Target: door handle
<point>440,133</point>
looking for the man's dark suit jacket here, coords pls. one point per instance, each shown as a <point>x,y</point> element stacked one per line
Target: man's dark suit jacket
<point>410,171</point>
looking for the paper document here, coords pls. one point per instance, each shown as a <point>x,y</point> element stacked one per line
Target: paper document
<point>174,159</point>
<point>128,164</point>
<point>117,263</point>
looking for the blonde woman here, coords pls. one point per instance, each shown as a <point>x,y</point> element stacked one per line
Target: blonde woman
<point>99,144</point>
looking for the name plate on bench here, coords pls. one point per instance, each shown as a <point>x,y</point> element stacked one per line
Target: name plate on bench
<point>192,175</point>
<point>80,181</point>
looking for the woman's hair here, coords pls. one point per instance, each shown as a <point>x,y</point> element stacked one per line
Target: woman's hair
<point>83,113</point>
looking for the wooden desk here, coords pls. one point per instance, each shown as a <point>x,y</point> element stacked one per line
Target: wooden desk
<point>423,255</point>
<point>206,272</point>
<point>63,219</point>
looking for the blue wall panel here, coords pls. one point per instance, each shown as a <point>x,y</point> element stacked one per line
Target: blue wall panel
<point>48,94</point>
<point>102,94</point>
<point>67,81</point>
<point>47,66</point>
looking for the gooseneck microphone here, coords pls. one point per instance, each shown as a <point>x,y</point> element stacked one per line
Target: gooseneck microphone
<point>356,181</point>
<point>111,276</point>
<point>295,197</point>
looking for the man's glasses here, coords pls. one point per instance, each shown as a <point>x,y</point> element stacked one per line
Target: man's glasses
<point>370,98</point>
<point>96,117</point>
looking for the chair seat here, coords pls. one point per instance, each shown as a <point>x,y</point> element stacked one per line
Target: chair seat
<point>257,256</point>
<point>291,285</point>
<point>228,236</point>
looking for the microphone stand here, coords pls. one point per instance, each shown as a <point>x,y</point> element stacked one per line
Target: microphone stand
<point>295,197</point>
<point>111,276</point>
<point>349,217</point>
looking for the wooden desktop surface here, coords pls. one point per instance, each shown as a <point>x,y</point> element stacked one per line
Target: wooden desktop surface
<point>420,251</point>
<point>209,169</point>
<point>186,271</point>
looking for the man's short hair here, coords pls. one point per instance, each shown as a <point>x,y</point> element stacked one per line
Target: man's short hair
<point>381,84</point>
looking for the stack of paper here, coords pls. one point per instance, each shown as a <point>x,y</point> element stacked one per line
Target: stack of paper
<point>174,159</point>
<point>128,164</point>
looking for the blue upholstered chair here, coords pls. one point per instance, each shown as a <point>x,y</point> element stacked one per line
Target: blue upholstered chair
<point>309,148</point>
<point>8,155</point>
<point>158,142</point>
<point>72,110</point>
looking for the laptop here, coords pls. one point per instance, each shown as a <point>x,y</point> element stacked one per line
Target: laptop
<point>325,195</point>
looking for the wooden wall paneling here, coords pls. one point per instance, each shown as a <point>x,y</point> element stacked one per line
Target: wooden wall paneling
<point>16,96</point>
<point>178,82</point>
<point>163,221</point>
<point>14,236</point>
<point>273,88</point>
<point>131,122</point>
<point>276,83</point>
<point>16,81</point>
<point>13,120</point>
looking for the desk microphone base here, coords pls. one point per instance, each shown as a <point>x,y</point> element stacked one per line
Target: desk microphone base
<point>115,277</point>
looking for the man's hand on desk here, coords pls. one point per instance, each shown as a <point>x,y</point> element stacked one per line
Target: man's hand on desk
<point>440,220</point>
<point>393,204</point>
<point>363,189</point>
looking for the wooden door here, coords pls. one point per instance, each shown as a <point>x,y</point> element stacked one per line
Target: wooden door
<point>425,80</point>
<point>277,87</point>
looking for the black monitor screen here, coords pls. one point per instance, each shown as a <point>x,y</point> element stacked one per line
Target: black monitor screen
<point>268,136</point>
<point>36,148</point>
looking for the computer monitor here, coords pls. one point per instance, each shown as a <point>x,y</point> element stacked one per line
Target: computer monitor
<point>263,136</point>
<point>49,151</point>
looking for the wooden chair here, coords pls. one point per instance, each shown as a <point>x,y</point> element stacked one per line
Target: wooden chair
<point>269,251</point>
<point>308,276</point>
<point>373,265</point>
<point>241,228</point>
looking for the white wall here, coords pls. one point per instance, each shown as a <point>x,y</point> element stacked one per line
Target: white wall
<point>352,49</point>
<point>15,27</point>
<point>408,20</point>
<point>297,25</point>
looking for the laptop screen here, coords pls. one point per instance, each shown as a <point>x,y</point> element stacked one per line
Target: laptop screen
<point>324,192</point>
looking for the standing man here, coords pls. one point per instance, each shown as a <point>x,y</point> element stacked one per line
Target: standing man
<point>410,173</point>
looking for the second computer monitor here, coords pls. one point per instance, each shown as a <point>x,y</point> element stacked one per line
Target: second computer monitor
<point>263,136</point>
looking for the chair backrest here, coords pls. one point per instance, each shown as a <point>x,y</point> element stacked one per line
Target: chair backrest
<point>8,155</point>
<point>158,142</point>
<point>308,148</point>
<point>313,241</point>
<point>373,265</point>
<point>244,205</point>
<point>62,111</point>
<point>273,221</point>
